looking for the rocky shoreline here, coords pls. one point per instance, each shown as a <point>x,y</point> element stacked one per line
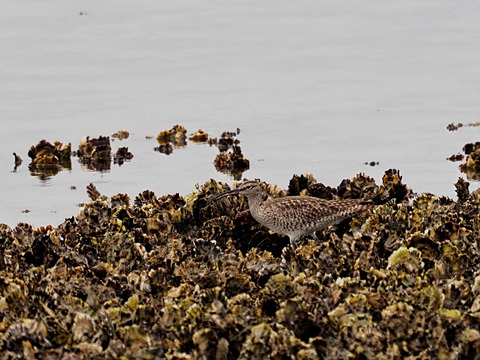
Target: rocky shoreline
<point>191,278</point>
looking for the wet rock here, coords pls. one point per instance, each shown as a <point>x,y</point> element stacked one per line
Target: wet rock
<point>95,153</point>
<point>17,161</point>
<point>454,127</point>
<point>166,149</point>
<point>200,137</point>
<point>122,155</point>
<point>457,157</point>
<point>170,139</point>
<point>461,188</point>
<point>121,135</point>
<point>232,163</point>
<point>48,159</point>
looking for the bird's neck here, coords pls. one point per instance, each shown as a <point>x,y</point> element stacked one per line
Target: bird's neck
<point>255,201</point>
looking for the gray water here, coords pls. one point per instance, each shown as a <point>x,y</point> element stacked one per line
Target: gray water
<point>314,86</point>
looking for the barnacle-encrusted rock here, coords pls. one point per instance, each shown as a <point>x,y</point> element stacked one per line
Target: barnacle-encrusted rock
<point>190,277</point>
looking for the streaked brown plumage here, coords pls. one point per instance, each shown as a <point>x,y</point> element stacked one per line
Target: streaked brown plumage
<point>295,216</point>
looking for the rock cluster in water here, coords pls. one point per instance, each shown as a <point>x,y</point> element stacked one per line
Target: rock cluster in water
<point>187,278</point>
<point>93,153</point>
<point>230,159</point>
<point>48,159</point>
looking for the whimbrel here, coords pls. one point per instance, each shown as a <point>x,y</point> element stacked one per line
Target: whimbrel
<point>295,216</point>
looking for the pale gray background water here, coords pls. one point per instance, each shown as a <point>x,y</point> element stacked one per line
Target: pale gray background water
<point>314,86</point>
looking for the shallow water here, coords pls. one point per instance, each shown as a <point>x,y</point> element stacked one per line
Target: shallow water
<point>319,87</point>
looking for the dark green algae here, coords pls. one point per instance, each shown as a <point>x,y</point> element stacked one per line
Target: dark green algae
<point>191,278</point>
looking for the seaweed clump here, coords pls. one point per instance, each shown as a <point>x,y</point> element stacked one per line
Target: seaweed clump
<point>187,277</point>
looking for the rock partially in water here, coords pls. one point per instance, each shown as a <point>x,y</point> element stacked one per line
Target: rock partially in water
<point>232,163</point>
<point>48,159</point>
<point>122,155</point>
<point>230,160</point>
<point>199,137</point>
<point>175,137</point>
<point>95,153</point>
<point>17,162</point>
<point>188,277</point>
<point>121,135</point>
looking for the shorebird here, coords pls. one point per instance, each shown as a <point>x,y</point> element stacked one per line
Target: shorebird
<point>295,216</point>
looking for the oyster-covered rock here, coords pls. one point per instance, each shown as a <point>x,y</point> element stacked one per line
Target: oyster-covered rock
<point>170,139</point>
<point>95,153</point>
<point>232,163</point>
<point>200,137</point>
<point>121,135</point>
<point>230,160</point>
<point>48,159</point>
<point>189,277</point>
<point>122,155</point>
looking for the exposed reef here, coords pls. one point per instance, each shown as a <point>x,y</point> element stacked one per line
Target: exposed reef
<point>190,278</point>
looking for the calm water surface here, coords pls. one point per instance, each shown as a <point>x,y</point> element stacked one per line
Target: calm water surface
<point>314,86</point>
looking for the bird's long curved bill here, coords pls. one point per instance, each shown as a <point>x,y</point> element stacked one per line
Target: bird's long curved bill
<point>227,193</point>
